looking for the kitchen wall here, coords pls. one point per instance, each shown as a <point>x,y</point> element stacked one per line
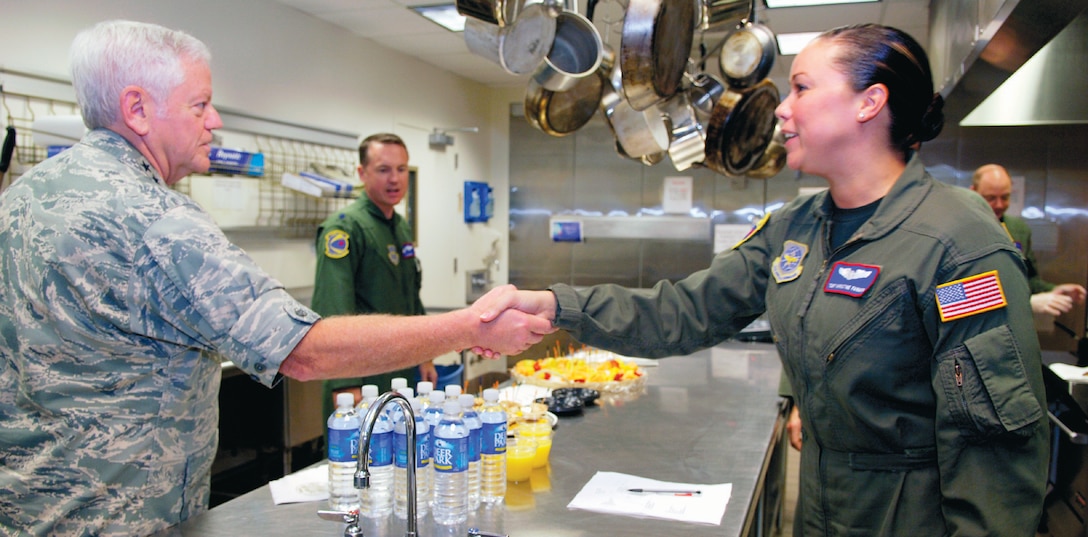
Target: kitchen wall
<point>274,62</point>
<point>581,173</point>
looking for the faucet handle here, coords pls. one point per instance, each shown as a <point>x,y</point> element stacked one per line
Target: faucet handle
<point>351,518</point>
<point>475,532</point>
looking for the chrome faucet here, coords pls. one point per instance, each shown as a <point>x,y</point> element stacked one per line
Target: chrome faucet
<point>366,429</point>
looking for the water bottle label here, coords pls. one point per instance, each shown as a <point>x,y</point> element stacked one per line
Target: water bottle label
<point>381,449</point>
<point>493,438</point>
<point>343,445</point>
<point>450,454</point>
<point>423,451</point>
<point>474,444</point>
<point>400,451</point>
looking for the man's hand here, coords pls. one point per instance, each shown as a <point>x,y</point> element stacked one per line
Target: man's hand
<point>427,372</point>
<point>1051,303</point>
<point>793,428</point>
<point>1071,290</point>
<point>511,321</point>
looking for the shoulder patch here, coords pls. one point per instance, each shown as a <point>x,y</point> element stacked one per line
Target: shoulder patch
<point>336,244</point>
<point>787,267</point>
<point>971,295</point>
<point>755,229</point>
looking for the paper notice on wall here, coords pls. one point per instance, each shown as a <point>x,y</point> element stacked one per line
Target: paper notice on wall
<point>677,195</point>
<point>726,236</point>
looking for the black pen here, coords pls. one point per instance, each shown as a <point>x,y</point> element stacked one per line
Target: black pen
<point>662,491</point>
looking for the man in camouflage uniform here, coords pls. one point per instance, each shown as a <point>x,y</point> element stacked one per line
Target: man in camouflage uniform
<point>117,296</point>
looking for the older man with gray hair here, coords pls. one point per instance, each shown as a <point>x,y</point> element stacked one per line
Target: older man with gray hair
<point>118,296</point>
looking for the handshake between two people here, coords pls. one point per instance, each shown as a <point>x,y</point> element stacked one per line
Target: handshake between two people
<point>512,320</point>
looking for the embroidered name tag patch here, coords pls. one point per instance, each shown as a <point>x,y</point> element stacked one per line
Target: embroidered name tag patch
<point>336,244</point>
<point>408,251</point>
<point>787,267</point>
<point>851,279</point>
<point>968,296</point>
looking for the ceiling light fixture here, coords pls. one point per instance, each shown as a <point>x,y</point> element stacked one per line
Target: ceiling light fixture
<point>772,4</point>
<point>444,15</point>
<point>791,44</point>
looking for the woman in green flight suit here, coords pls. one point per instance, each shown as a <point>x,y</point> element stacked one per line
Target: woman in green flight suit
<point>899,308</point>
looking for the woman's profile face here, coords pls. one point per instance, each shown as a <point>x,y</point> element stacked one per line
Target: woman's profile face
<point>819,117</point>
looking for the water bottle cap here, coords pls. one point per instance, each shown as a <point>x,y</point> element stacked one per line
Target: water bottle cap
<point>453,390</point>
<point>467,400</point>
<point>407,392</point>
<point>398,383</point>
<point>370,390</point>
<point>491,395</point>
<point>345,400</point>
<point>437,397</point>
<point>416,404</point>
<point>424,387</point>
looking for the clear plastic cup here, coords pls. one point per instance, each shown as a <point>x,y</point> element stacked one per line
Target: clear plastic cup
<point>520,455</point>
<point>539,432</point>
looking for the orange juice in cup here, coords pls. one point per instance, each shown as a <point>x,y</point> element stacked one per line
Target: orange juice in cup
<point>520,454</point>
<point>541,433</point>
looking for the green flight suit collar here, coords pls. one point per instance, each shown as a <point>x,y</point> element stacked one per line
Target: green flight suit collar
<point>905,196</point>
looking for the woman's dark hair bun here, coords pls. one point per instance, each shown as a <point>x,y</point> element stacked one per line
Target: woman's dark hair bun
<point>932,121</point>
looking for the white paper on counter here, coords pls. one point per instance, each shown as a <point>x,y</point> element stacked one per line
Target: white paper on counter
<point>309,485</point>
<point>1070,373</point>
<point>607,492</point>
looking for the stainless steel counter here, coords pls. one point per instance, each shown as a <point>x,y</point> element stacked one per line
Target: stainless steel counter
<point>712,417</point>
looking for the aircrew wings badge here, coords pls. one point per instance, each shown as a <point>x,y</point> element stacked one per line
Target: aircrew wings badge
<point>968,296</point>
<point>336,244</point>
<point>787,267</point>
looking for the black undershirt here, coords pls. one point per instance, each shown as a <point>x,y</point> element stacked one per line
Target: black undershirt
<point>845,222</point>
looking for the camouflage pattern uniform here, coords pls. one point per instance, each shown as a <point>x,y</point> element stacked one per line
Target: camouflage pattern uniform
<point>117,297</point>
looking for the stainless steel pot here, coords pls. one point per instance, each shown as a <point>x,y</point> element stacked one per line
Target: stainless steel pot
<point>740,129</point>
<point>717,14</point>
<point>654,49</point>
<point>687,140</point>
<point>640,134</point>
<point>518,47</point>
<point>560,113</point>
<point>575,53</point>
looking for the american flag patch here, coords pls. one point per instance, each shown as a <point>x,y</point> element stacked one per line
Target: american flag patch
<point>971,295</point>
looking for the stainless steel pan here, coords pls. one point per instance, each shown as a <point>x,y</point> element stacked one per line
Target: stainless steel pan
<point>560,113</point>
<point>575,53</point>
<point>654,49</point>
<point>740,129</point>
<point>518,47</point>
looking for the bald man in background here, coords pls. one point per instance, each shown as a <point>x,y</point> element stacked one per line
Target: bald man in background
<point>993,183</point>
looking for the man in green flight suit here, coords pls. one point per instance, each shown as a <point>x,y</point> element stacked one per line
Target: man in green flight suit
<point>993,183</point>
<point>366,260</point>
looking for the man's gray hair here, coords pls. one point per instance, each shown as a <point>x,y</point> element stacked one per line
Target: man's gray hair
<point>112,55</point>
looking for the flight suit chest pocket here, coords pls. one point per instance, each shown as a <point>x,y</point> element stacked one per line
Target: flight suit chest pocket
<point>986,386</point>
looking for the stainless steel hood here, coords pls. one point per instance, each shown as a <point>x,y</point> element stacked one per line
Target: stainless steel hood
<point>1024,63</point>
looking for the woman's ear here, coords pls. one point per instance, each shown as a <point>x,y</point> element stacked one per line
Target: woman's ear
<point>873,100</point>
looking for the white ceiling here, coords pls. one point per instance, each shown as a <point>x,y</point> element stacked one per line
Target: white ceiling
<point>393,25</point>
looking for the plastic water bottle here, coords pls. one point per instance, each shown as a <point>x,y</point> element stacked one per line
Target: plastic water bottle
<point>377,500</point>
<point>423,391</point>
<point>492,449</point>
<point>451,466</point>
<point>396,383</point>
<point>432,415</point>
<point>472,421</point>
<point>343,452</point>
<point>369,393</point>
<point>400,468</point>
